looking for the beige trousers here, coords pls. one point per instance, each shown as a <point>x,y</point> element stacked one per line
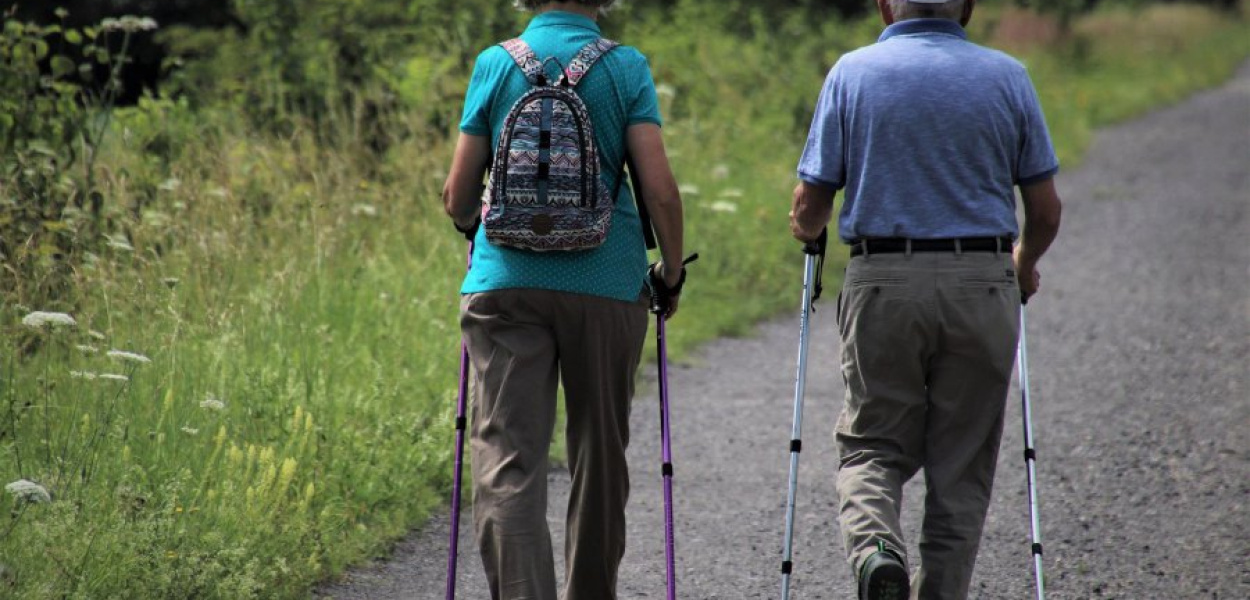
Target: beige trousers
<point>928,346</point>
<point>520,343</point>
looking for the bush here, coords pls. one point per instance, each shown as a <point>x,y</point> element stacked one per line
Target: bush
<point>52,127</point>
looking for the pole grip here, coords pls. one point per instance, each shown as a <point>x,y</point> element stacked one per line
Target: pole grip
<point>817,246</point>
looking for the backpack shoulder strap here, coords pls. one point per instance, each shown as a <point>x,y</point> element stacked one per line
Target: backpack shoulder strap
<point>525,58</point>
<point>585,59</point>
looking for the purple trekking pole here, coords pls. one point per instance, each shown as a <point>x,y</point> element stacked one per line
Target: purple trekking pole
<point>660,296</point>
<point>457,476</point>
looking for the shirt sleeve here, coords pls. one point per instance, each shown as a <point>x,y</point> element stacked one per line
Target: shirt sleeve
<point>823,161</point>
<point>475,120</point>
<point>1036,161</point>
<point>645,107</point>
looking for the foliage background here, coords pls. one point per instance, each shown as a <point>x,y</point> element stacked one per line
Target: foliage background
<point>246,196</point>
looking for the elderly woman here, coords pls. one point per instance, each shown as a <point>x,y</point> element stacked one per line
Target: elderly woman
<point>532,318</point>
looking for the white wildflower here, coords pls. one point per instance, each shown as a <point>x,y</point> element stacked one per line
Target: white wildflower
<point>212,403</point>
<point>720,171</point>
<point>119,243</point>
<point>82,375</point>
<point>25,489</point>
<point>730,193</point>
<point>170,282</point>
<point>687,189</point>
<point>722,206</point>
<point>40,319</point>
<point>86,349</point>
<point>95,334</point>
<point>219,193</point>
<point>364,210</point>
<point>190,430</point>
<point>129,356</point>
<point>665,90</point>
<point>128,24</point>
<point>170,185</point>
<point>113,377</point>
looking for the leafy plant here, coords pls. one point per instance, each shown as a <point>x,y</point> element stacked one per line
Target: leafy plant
<point>52,126</point>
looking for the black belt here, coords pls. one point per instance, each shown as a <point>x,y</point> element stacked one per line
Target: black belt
<point>896,245</point>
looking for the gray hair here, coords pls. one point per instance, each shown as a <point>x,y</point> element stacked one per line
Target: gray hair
<point>905,9</point>
<point>603,5</point>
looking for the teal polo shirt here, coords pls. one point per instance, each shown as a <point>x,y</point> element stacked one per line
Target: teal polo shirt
<point>929,134</point>
<point>619,91</point>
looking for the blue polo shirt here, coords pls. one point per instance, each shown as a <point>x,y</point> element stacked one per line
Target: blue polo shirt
<point>619,92</point>
<point>928,134</point>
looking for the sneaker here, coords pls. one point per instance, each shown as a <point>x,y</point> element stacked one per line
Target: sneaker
<point>883,577</point>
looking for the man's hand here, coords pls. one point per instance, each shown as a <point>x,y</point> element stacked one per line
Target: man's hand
<point>811,211</point>
<point>1042,211</point>
<point>1027,275</point>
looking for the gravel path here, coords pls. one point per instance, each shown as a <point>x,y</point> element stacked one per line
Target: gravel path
<point>1140,359</point>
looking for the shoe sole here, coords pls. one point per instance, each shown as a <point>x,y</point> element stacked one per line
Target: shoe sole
<point>888,582</point>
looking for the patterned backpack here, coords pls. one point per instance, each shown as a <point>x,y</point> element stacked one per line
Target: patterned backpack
<point>544,191</point>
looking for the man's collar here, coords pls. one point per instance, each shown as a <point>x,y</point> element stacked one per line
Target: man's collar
<point>556,18</point>
<point>923,26</point>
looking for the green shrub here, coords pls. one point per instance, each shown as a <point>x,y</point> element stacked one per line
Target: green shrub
<point>52,127</point>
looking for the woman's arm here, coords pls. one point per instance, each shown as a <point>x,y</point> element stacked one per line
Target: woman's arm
<point>659,193</point>
<point>462,194</point>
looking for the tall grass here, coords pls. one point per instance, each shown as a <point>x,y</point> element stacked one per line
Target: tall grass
<point>1122,62</point>
<point>297,303</point>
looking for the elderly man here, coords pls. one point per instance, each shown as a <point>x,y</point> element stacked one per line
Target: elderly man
<point>929,135</point>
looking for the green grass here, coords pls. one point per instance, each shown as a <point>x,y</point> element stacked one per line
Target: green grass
<point>312,292</point>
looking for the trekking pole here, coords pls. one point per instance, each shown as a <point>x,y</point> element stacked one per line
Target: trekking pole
<point>457,476</point>
<point>813,268</point>
<point>1030,456</point>
<point>658,307</point>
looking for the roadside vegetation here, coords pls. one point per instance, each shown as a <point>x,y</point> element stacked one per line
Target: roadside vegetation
<point>228,331</point>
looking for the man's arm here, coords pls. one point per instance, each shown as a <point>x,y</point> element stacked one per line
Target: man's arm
<point>812,210</point>
<point>1042,211</point>
<point>462,193</point>
<point>660,194</point>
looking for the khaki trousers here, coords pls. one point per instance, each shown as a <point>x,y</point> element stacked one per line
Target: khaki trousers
<point>928,346</point>
<point>519,342</point>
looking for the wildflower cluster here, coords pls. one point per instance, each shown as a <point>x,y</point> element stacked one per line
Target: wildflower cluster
<point>128,24</point>
<point>41,320</point>
<point>29,491</point>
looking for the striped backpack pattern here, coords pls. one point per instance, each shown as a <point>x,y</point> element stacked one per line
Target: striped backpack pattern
<point>544,191</point>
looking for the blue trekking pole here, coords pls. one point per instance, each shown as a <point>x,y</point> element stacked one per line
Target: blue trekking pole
<point>1030,456</point>
<point>814,265</point>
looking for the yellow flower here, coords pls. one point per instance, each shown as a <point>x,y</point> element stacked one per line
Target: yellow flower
<point>288,474</point>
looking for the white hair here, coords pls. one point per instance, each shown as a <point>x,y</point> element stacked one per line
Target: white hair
<point>905,9</point>
<point>603,5</point>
